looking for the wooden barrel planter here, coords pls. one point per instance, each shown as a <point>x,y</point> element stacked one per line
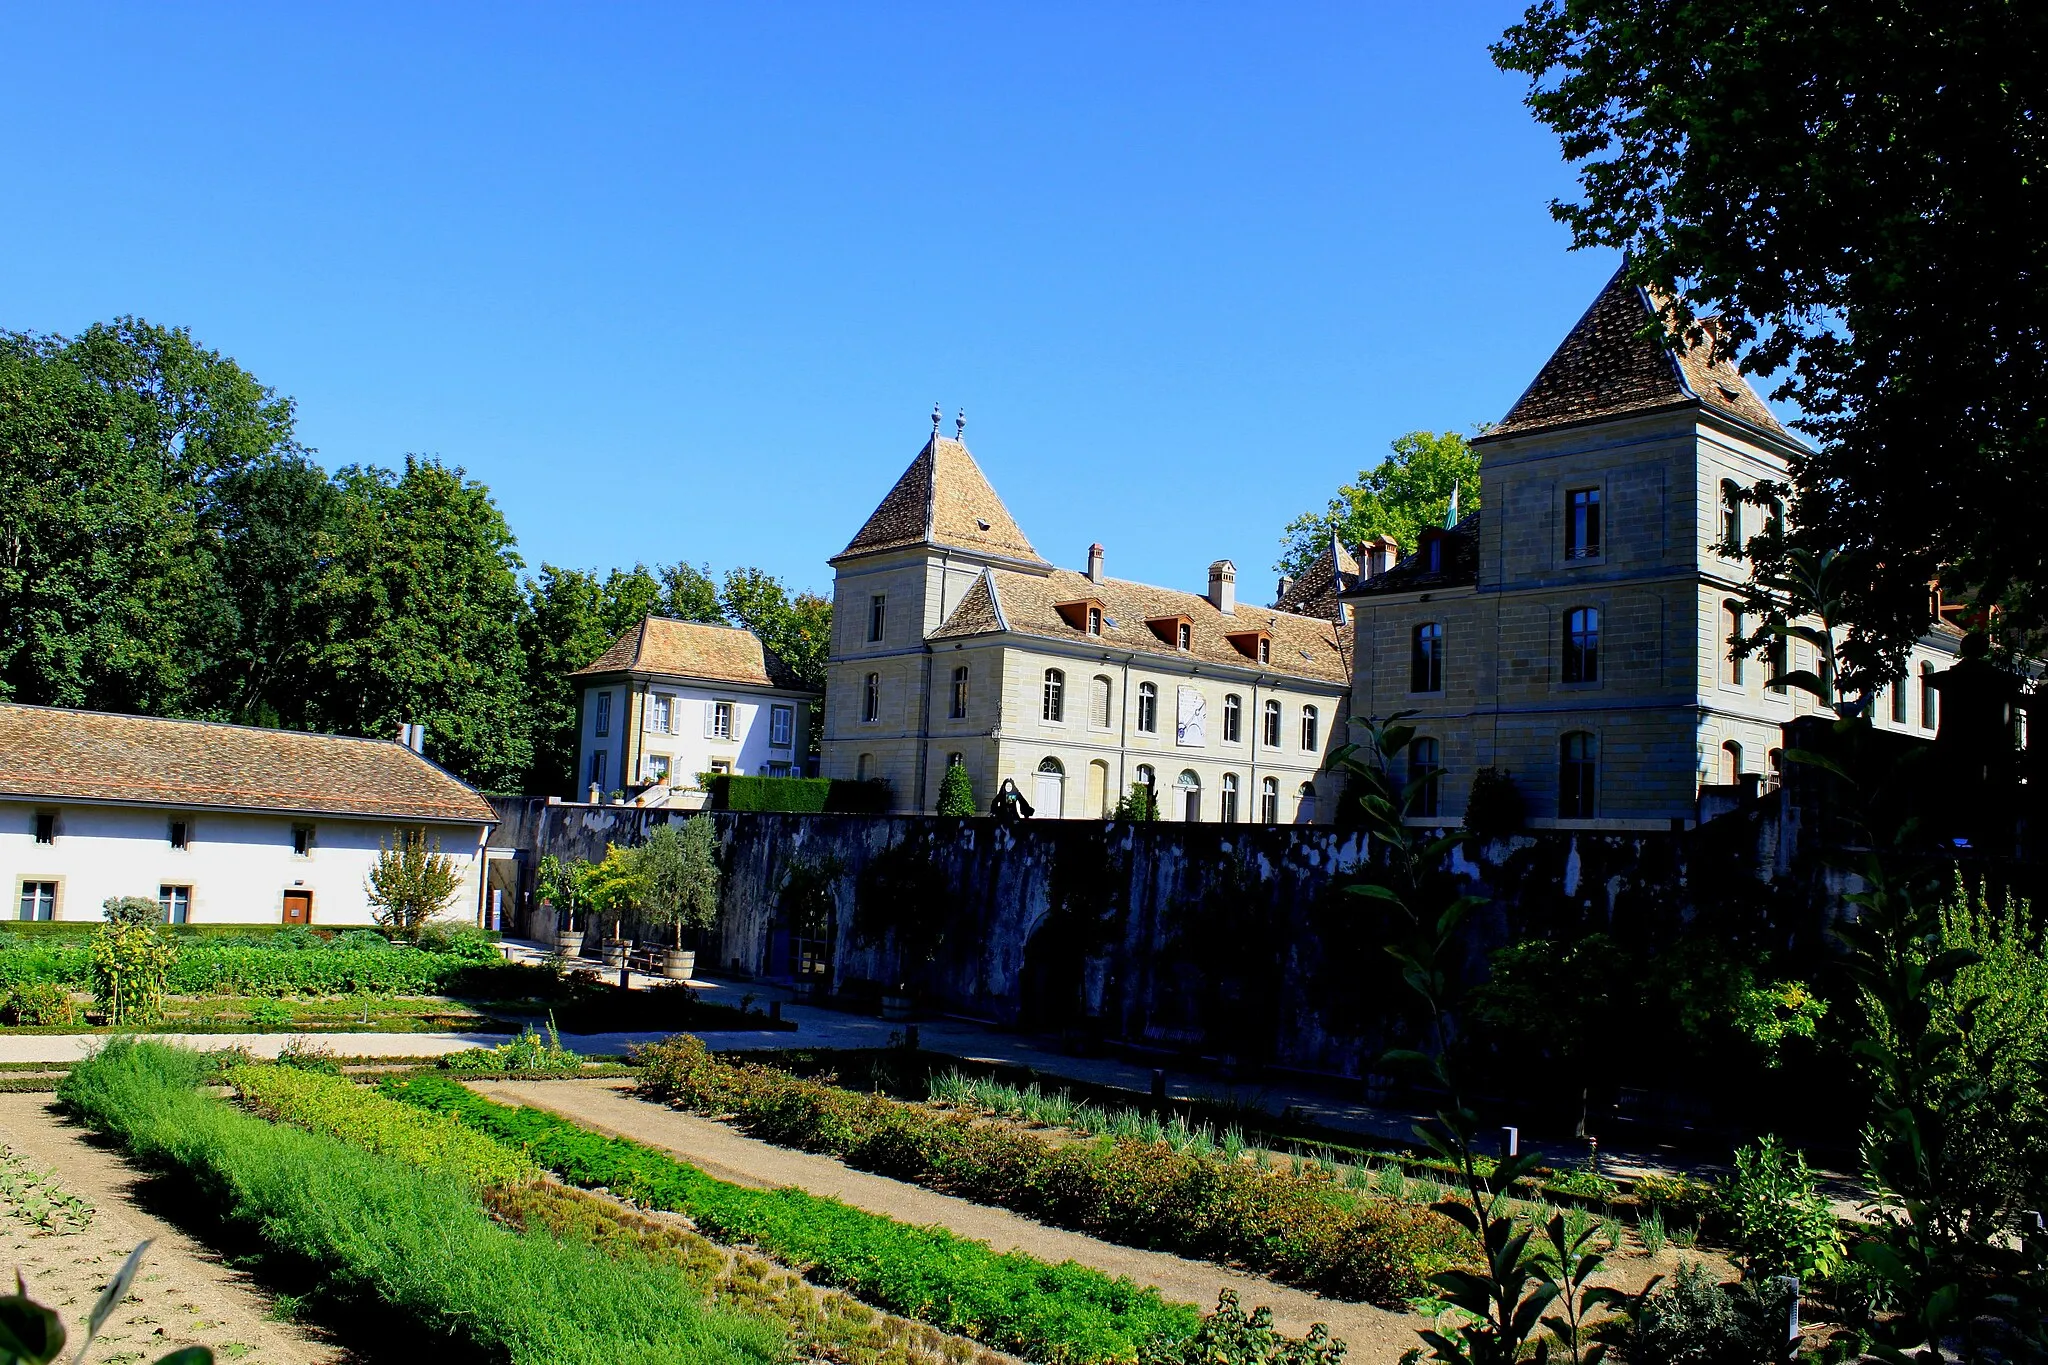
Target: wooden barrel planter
<point>679,964</point>
<point>615,952</point>
<point>569,943</point>
<point>897,1008</point>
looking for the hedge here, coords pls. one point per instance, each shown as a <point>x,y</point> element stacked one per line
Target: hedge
<point>803,795</point>
<point>1299,1227</point>
<point>1008,1300</point>
<point>418,1241</point>
<point>206,969</point>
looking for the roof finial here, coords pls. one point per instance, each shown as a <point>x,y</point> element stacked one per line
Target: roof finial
<point>938,415</point>
<point>960,426</point>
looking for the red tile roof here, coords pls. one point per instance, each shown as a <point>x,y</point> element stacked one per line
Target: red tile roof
<point>693,649</point>
<point>49,753</point>
<point>943,500</point>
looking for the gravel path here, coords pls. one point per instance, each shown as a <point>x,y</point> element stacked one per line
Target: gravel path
<point>1373,1334</point>
<point>184,1295</point>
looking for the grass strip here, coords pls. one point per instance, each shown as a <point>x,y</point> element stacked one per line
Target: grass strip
<point>1008,1300</point>
<point>1298,1226</point>
<point>416,1240</point>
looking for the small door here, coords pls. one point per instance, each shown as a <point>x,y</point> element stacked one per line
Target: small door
<point>1051,788</point>
<point>298,907</point>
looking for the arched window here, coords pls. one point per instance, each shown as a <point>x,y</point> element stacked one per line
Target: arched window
<point>956,760</point>
<point>1780,662</point>
<point>1424,767</point>
<point>1148,709</point>
<point>1098,703</point>
<point>864,767</point>
<point>1049,764</point>
<point>1229,809</point>
<point>1582,645</point>
<point>1426,658</point>
<point>1233,718</point>
<point>1731,763</point>
<point>1055,707</point>
<point>1577,776</point>
<point>1930,699</point>
<point>871,698</point>
<point>1774,520</point>
<point>1901,691</point>
<point>1146,778</point>
<point>960,693</point>
<point>1310,728</point>
<point>1190,785</point>
<point>1776,759</point>
<point>1050,792</point>
<point>1731,517</point>
<point>1305,804</point>
<point>1272,724</point>
<point>1738,630</point>
<point>1269,801</point>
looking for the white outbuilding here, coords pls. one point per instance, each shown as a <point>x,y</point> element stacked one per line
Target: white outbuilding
<point>220,824</point>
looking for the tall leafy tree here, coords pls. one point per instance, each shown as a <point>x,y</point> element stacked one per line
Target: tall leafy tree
<point>1407,491</point>
<point>1858,192</point>
<point>419,608</point>
<point>798,628</point>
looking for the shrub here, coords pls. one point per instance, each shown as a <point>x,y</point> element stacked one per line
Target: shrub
<point>1694,1321</point>
<point>39,1003</point>
<point>373,1227</point>
<point>1014,1302</point>
<point>1493,809</point>
<point>410,883</point>
<point>139,911</point>
<point>1776,1218</point>
<point>266,1016</point>
<point>805,795</point>
<point>1296,1226</point>
<point>1231,1336</point>
<point>322,1102</point>
<point>465,941</point>
<point>131,967</point>
<point>956,791</point>
<point>528,1052</point>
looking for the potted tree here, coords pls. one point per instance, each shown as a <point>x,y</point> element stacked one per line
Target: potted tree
<point>608,890</point>
<point>903,898</point>
<point>554,886</point>
<point>679,873</point>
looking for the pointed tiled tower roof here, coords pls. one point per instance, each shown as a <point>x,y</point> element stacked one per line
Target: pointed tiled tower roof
<point>944,500</point>
<point>1316,590</point>
<point>1607,367</point>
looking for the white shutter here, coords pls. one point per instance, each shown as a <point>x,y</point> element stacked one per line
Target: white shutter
<point>710,710</point>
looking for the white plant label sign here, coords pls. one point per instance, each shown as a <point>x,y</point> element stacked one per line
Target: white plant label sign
<point>1191,721</point>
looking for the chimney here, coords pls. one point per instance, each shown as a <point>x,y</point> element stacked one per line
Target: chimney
<point>413,737</point>
<point>1381,553</point>
<point>1285,584</point>
<point>1223,587</point>
<point>1095,562</point>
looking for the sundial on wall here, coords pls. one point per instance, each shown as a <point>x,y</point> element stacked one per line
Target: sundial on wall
<point>1191,721</point>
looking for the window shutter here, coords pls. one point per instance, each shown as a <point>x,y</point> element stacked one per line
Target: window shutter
<point>710,712</point>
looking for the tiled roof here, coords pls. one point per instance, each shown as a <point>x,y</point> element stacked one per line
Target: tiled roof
<point>1607,367</point>
<point>52,754</point>
<point>1303,646</point>
<point>1315,592</point>
<point>693,649</point>
<point>1459,563</point>
<point>943,499</point>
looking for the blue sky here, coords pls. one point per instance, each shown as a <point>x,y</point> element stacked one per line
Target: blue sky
<point>684,282</point>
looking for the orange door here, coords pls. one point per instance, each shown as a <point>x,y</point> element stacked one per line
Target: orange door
<point>298,907</point>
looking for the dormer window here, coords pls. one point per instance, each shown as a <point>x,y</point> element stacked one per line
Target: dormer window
<point>1095,620</point>
<point>1178,631</point>
<point>1253,644</point>
<point>1085,614</point>
<point>1187,637</point>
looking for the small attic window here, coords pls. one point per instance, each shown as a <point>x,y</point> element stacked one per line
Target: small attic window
<point>1186,637</point>
<point>1084,614</point>
<point>1253,644</point>
<point>982,522</point>
<point>1178,631</point>
<point>1728,392</point>
<point>1095,620</point>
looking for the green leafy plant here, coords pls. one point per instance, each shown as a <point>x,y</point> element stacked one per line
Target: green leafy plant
<point>1494,808</point>
<point>678,875</point>
<point>956,791</point>
<point>529,1052</point>
<point>39,1004</point>
<point>555,884</point>
<point>131,968</point>
<point>1231,1336</point>
<point>1694,1321</point>
<point>410,883</point>
<point>613,888</point>
<point>1138,804</point>
<point>1775,1216</point>
<point>134,910</point>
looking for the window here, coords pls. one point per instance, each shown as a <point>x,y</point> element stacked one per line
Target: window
<point>1426,659</point>
<point>878,617</point>
<point>960,693</point>
<point>602,726</point>
<point>718,720</point>
<point>1901,693</point>
<point>1272,725</point>
<point>871,698</point>
<point>1229,806</point>
<point>1305,804</point>
<point>1582,645</point>
<point>864,767</point>
<point>1310,729</point>
<point>1780,664</point>
<point>1095,620</point>
<point>657,768</point>
<point>1269,801</point>
<point>39,900</point>
<point>720,765</point>
<point>46,827</point>
<point>1731,763</point>
<point>1054,706</point>
<point>1148,709</point>
<point>956,760</point>
<point>1575,776</point>
<point>1433,553</point>
<point>1425,772</point>
<point>1582,523</point>
<point>1186,636</point>
<point>1265,650</point>
<point>597,770</point>
<point>1190,795</point>
<point>1146,778</point>
<point>302,841</point>
<point>176,903</point>
<point>1233,719</point>
<point>1731,517</point>
<point>181,833</point>
<point>781,726</point>
<point>1098,703</point>
<point>1738,630</point>
<point>1930,699</point>
<point>659,711</point>
<point>1774,520</point>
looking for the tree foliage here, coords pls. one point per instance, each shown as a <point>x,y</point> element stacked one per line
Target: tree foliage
<point>1399,497</point>
<point>956,791</point>
<point>410,883</point>
<point>678,872</point>
<point>1855,190</point>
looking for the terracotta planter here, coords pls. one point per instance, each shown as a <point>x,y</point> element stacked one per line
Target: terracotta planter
<point>569,943</point>
<point>897,1008</point>
<point>679,964</point>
